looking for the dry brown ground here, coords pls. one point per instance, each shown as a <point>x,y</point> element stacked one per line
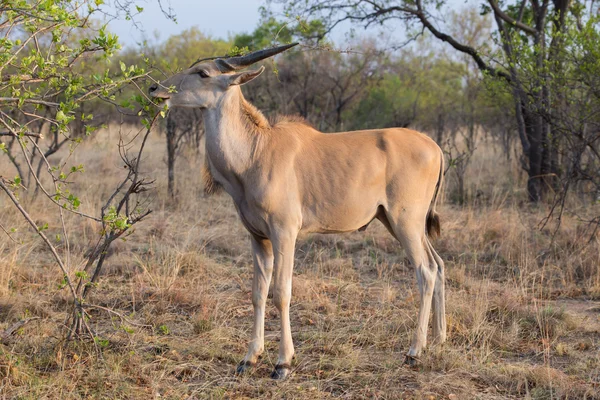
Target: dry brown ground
<point>523,311</point>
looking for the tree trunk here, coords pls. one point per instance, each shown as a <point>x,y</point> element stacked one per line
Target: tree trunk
<point>440,127</point>
<point>171,149</point>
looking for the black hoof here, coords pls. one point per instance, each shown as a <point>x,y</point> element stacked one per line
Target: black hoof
<point>281,372</point>
<point>411,361</point>
<point>244,367</point>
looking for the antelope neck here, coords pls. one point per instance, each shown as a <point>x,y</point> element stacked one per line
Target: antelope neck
<point>233,137</point>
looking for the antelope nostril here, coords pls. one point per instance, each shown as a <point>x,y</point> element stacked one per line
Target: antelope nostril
<point>153,88</point>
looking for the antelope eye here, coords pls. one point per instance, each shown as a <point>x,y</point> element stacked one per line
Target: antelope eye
<point>203,74</point>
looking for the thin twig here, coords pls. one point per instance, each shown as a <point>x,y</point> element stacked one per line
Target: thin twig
<point>32,101</point>
<point>28,134</point>
<point>8,234</point>
<point>48,195</point>
<point>41,234</point>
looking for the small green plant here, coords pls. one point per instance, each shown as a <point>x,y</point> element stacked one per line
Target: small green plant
<point>128,329</point>
<point>102,343</point>
<point>164,330</point>
<point>202,325</point>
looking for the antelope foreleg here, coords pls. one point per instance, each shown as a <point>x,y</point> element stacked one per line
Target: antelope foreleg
<point>262,254</point>
<point>282,292</point>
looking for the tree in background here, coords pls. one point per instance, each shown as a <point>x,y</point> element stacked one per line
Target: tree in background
<point>182,127</point>
<point>573,117</point>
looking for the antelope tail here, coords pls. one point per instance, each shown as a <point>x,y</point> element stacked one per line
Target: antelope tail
<point>432,225</point>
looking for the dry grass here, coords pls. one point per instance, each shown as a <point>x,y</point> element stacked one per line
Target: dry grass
<point>522,308</point>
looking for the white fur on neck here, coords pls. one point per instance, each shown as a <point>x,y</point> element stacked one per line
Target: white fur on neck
<point>229,146</point>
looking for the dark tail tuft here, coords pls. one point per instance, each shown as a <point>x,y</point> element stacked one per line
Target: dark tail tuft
<point>434,227</point>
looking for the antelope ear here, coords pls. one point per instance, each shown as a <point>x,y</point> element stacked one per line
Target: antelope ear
<point>244,77</point>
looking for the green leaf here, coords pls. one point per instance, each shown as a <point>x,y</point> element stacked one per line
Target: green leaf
<point>60,116</point>
<point>101,342</point>
<point>64,282</point>
<point>81,274</point>
<point>164,329</point>
<point>128,329</point>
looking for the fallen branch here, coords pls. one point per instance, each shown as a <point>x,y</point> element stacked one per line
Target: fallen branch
<point>118,314</point>
<point>16,326</point>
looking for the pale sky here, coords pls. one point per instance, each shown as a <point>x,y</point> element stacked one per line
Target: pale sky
<point>217,18</point>
<point>225,18</point>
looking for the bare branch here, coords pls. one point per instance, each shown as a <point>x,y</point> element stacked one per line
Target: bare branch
<point>28,134</point>
<point>510,20</point>
<point>15,201</point>
<point>483,66</point>
<point>32,101</point>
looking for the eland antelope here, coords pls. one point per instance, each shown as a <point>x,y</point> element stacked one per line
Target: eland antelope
<point>287,178</point>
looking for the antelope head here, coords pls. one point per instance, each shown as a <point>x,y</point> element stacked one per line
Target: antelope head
<point>207,80</point>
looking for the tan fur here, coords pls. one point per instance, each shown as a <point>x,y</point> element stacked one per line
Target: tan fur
<point>287,178</point>
<point>256,121</point>
<point>259,125</point>
<point>279,119</point>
